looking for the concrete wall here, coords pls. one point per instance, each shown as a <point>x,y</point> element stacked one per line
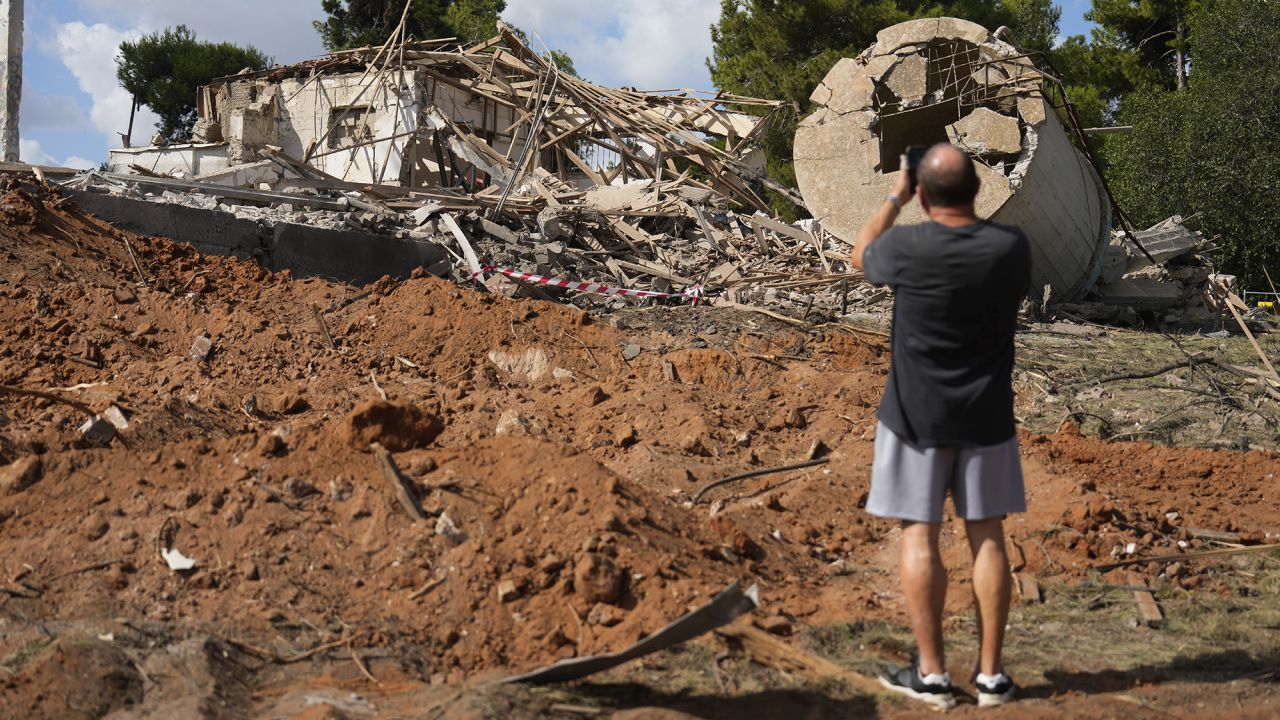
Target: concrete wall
<point>296,114</point>
<point>192,159</point>
<point>344,255</point>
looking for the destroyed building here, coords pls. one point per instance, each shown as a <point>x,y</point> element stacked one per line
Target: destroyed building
<point>427,116</point>
<point>488,164</point>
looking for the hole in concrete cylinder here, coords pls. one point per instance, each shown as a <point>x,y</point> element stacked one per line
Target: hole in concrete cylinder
<point>921,126</point>
<point>951,91</point>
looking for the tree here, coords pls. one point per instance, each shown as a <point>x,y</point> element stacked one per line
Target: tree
<point>163,71</point>
<point>1034,23</point>
<point>1155,30</point>
<point>781,50</point>
<point>1210,151</point>
<point>366,23</point>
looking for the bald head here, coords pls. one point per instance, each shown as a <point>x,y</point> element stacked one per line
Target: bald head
<point>947,177</point>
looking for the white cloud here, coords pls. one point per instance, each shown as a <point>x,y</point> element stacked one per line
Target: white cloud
<point>280,28</point>
<point>649,44</point>
<point>30,151</point>
<point>89,52</point>
<point>52,113</point>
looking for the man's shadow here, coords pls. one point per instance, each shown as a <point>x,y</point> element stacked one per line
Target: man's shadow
<point>787,704</point>
<point>1215,667</point>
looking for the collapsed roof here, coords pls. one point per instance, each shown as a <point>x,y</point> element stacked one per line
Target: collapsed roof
<point>481,118</point>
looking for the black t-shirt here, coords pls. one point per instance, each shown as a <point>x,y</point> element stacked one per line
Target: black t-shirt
<point>957,297</point>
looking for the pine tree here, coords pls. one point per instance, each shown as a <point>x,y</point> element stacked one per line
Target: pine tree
<point>163,71</point>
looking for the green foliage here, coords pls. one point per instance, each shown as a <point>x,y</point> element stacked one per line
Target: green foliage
<point>1212,150</point>
<point>781,49</point>
<point>1154,30</point>
<point>163,71</point>
<point>366,23</point>
<point>1034,23</point>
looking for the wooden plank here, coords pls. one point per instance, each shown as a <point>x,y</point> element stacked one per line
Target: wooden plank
<point>499,231</point>
<point>773,652</point>
<point>468,252</point>
<point>708,232</point>
<point>655,271</point>
<point>1180,557</point>
<point>1029,588</point>
<point>1148,610</point>
<point>399,486</point>
<point>1232,300</point>
<point>585,168</point>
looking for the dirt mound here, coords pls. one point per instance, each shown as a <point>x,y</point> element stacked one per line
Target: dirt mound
<point>71,678</point>
<point>397,426</point>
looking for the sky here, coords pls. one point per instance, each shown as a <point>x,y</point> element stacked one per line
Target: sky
<point>73,108</point>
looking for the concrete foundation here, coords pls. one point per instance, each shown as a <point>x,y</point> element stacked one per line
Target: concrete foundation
<point>344,255</point>
<point>978,94</point>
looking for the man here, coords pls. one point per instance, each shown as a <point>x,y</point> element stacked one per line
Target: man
<point>946,418</point>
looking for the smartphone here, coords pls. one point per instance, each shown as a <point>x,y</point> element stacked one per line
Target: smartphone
<point>911,158</point>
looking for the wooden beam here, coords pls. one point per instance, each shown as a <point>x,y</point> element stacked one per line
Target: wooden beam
<point>1148,610</point>
<point>773,652</point>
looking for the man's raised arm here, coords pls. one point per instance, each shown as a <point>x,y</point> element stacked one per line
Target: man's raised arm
<point>883,218</point>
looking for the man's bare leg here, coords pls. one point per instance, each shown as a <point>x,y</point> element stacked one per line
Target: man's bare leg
<point>924,584</point>
<point>991,588</point>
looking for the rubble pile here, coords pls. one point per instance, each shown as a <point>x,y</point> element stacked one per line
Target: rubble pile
<point>661,193</point>
<point>1180,288</point>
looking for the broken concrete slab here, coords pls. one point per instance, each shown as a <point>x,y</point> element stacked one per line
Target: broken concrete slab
<point>1033,109</point>
<point>1164,242</point>
<point>348,255</point>
<point>925,30</point>
<point>986,132</point>
<point>1142,294</point>
<point>908,79</point>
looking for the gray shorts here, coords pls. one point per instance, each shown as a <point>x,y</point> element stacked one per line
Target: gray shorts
<point>911,483</point>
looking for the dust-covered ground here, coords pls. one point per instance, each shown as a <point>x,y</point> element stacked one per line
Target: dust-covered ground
<point>554,477</point>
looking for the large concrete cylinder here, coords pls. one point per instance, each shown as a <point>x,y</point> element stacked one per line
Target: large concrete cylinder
<point>950,80</point>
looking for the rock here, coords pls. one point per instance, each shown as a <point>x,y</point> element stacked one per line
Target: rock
<point>397,426</point>
<point>734,537</point>
<point>97,430</point>
<point>533,364</point>
<point>123,295</point>
<point>21,474</point>
<point>604,615</point>
<point>592,396</point>
<point>299,488</point>
<point>271,444</point>
<point>251,571</point>
<point>795,419</point>
<point>285,403</point>
<point>624,435</point>
<point>94,527</point>
<point>839,568</point>
<point>200,348</point>
<point>449,530</point>
<point>985,131</point>
<point>631,352</point>
<point>597,579</point>
<point>507,591</point>
<point>511,422</point>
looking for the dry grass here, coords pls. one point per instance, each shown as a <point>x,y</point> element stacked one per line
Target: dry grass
<point>1060,376</point>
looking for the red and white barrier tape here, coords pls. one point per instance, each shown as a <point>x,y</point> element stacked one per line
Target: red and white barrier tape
<point>694,293</point>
